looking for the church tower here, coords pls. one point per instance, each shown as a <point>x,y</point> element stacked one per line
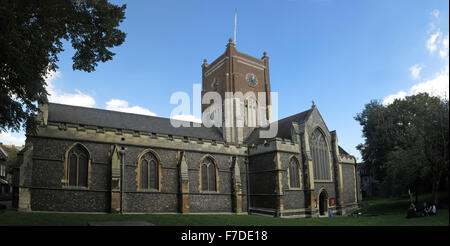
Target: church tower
<point>245,77</point>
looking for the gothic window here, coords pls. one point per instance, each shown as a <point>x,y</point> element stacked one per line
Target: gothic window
<point>208,175</point>
<point>77,166</point>
<point>320,156</point>
<point>251,112</point>
<point>148,172</point>
<point>294,173</point>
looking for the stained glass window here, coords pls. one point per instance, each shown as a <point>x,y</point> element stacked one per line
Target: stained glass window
<point>208,172</point>
<point>320,156</point>
<point>149,172</point>
<point>78,166</point>
<point>294,173</point>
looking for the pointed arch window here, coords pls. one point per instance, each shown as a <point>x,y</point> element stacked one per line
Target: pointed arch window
<point>320,156</point>
<point>294,173</point>
<point>148,170</point>
<point>77,167</point>
<point>208,175</point>
<point>251,112</point>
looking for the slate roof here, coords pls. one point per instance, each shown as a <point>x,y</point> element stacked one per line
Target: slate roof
<point>284,127</point>
<point>127,121</point>
<point>342,151</point>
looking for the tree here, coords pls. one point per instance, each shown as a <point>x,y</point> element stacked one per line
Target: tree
<point>408,142</point>
<point>31,34</point>
<point>11,161</point>
<point>375,129</point>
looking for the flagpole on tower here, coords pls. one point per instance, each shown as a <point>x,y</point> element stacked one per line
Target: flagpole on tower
<point>235,21</point>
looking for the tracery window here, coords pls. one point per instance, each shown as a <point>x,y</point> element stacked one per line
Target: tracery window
<point>148,172</point>
<point>251,112</point>
<point>294,173</point>
<point>208,175</point>
<point>320,156</point>
<point>77,166</point>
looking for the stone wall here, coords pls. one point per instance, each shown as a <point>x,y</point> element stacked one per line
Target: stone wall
<point>49,193</point>
<point>348,176</point>
<point>294,198</point>
<point>328,186</point>
<point>263,182</point>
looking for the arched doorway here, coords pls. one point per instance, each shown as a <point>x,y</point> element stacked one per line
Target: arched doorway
<point>323,203</point>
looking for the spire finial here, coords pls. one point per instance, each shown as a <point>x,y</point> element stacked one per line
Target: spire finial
<point>313,104</point>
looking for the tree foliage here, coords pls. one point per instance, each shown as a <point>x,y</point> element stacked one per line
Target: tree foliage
<point>31,35</point>
<point>406,142</point>
<point>11,161</point>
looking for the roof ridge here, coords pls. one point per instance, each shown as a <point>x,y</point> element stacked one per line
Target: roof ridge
<point>121,112</point>
<point>61,113</point>
<point>295,115</point>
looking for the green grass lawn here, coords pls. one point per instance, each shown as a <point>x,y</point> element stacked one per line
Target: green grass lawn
<point>386,212</point>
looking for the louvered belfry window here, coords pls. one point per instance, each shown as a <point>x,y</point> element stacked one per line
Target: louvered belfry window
<point>208,175</point>
<point>149,172</point>
<point>78,166</point>
<point>320,156</point>
<point>294,177</point>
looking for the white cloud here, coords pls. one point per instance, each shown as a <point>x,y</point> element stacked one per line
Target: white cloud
<point>415,71</point>
<point>16,139</point>
<point>391,98</point>
<point>82,99</point>
<point>437,86</point>
<point>431,42</point>
<point>56,96</point>
<point>443,52</point>
<point>189,117</point>
<point>435,13</point>
<point>122,106</point>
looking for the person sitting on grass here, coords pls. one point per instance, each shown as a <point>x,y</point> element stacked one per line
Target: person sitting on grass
<point>432,209</point>
<point>411,211</point>
<point>425,210</point>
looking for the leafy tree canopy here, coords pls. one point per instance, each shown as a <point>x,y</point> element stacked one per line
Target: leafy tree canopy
<point>11,161</point>
<point>31,34</point>
<point>407,142</point>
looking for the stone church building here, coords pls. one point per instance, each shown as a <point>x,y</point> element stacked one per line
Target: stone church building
<point>94,160</point>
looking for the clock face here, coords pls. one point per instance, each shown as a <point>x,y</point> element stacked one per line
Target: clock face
<point>251,79</point>
<point>215,83</point>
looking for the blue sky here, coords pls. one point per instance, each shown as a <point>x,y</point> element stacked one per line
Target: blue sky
<point>341,54</point>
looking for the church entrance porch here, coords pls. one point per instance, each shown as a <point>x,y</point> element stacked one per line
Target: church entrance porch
<point>323,203</point>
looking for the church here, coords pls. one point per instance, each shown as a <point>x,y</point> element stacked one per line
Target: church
<point>94,160</point>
